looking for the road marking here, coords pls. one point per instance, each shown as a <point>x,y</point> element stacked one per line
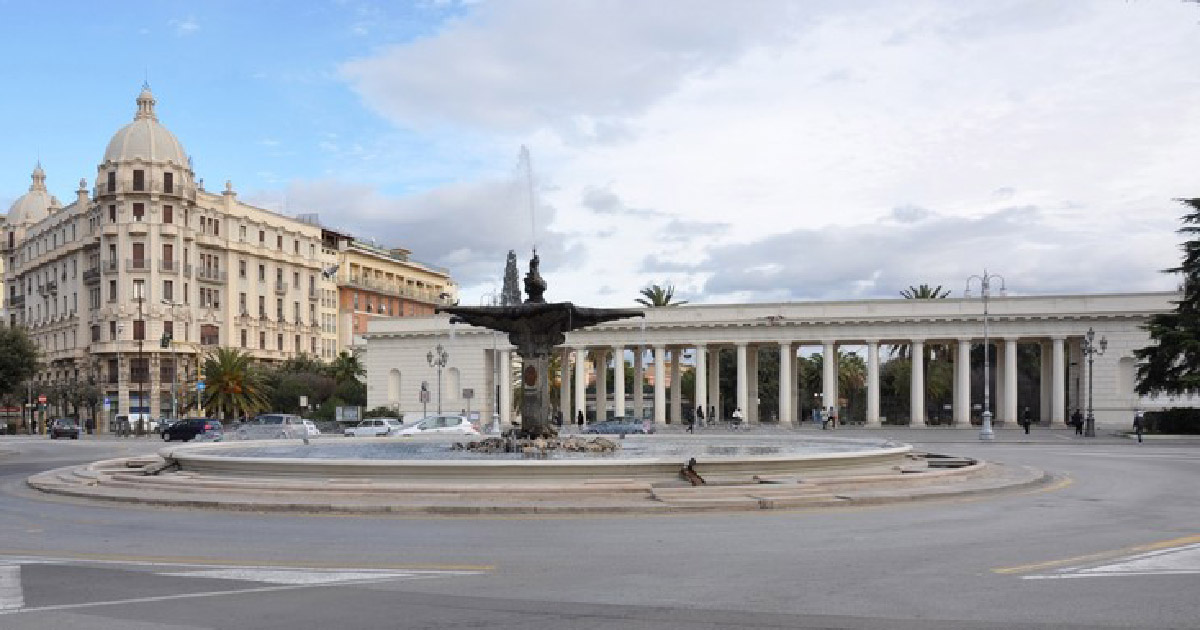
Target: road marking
<point>1099,557</point>
<point>1178,561</point>
<point>11,595</point>
<point>34,557</point>
<point>304,576</point>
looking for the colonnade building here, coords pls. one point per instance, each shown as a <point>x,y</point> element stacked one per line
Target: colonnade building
<point>1054,325</point>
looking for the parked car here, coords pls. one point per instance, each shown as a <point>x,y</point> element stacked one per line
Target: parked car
<point>272,426</point>
<point>620,425</point>
<point>194,429</point>
<point>443,424</point>
<point>374,427</point>
<point>310,429</point>
<point>64,428</point>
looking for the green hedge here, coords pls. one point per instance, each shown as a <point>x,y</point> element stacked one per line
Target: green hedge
<point>1176,420</point>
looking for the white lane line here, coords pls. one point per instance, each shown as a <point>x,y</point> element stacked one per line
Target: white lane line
<point>12,597</point>
<point>307,576</point>
<point>1183,560</point>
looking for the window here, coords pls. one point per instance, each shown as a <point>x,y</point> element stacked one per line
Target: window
<point>112,290</point>
<point>242,304</point>
<point>112,214</point>
<point>296,311</point>
<point>296,279</point>
<point>262,237</point>
<point>139,179</point>
<point>139,289</point>
<point>279,310</point>
<point>279,242</point>
<point>112,331</point>
<point>279,276</point>
<point>262,306</point>
<point>243,337</point>
<point>241,268</point>
<point>262,273</point>
<point>168,214</point>
<point>139,211</point>
<point>168,183</point>
<point>242,232</point>
<point>139,255</point>
<point>355,298</point>
<point>139,329</point>
<point>95,332</point>
<point>279,342</point>
<point>169,328</point>
<point>139,372</point>
<point>298,350</point>
<point>169,290</point>
<point>216,227</point>
<point>185,293</point>
<point>168,257</point>
<point>112,184</point>
<point>166,373</point>
<point>210,335</point>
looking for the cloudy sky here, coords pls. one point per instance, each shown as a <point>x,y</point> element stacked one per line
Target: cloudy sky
<point>740,150</point>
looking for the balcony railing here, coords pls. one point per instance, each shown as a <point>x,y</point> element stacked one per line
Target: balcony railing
<point>91,276</point>
<point>314,293</point>
<point>109,266</point>
<point>137,264</point>
<point>16,301</point>
<point>210,275</point>
<point>281,287</point>
<point>168,266</point>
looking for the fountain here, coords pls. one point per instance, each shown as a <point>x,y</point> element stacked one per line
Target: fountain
<point>535,328</point>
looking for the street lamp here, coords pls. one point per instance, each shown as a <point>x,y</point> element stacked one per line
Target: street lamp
<point>166,343</point>
<point>437,358</point>
<point>1091,351</point>
<point>120,331</point>
<point>985,291</point>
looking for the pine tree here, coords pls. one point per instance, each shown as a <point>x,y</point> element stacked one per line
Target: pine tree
<point>1171,364</point>
<point>511,294</point>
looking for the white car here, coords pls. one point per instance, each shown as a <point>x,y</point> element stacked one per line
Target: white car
<point>444,424</point>
<point>272,426</point>
<point>310,429</point>
<point>374,427</point>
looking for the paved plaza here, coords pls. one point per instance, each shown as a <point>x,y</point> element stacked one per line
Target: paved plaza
<point>1114,542</point>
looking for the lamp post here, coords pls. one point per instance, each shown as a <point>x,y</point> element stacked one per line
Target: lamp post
<point>985,291</point>
<point>437,358</point>
<point>1091,350</point>
<point>167,342</point>
<point>120,331</point>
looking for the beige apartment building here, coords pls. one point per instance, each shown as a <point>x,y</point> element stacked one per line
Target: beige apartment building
<point>149,252</point>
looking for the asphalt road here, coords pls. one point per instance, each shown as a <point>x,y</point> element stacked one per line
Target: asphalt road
<point>1116,543</point>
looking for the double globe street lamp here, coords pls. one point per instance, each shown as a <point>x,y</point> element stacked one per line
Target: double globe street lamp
<point>985,290</point>
<point>1091,349</point>
<point>437,359</point>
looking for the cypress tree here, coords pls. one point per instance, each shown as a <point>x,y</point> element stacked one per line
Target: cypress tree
<point>1171,364</point>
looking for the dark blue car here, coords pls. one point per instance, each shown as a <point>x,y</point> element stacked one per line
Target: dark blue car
<point>621,425</point>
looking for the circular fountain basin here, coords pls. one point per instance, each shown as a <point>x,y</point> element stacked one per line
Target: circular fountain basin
<point>641,458</point>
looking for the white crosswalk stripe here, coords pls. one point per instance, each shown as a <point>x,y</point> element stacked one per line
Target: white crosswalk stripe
<point>11,595</point>
<point>308,576</point>
<point>1176,561</point>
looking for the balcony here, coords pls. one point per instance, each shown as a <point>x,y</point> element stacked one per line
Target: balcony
<point>314,294</point>
<point>91,276</point>
<point>205,274</point>
<point>16,301</point>
<point>168,266</point>
<point>281,287</point>
<point>109,266</point>
<point>137,264</point>
<point>49,288</point>
<point>432,296</point>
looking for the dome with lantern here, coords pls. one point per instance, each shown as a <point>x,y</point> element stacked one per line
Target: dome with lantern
<point>145,138</point>
<point>34,205</point>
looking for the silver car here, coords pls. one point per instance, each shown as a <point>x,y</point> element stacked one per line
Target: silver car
<point>374,427</point>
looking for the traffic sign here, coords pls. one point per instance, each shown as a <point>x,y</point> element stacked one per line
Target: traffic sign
<point>42,398</point>
<point>199,386</point>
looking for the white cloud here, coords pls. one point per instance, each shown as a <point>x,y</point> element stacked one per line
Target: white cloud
<point>841,149</point>
<point>184,26</point>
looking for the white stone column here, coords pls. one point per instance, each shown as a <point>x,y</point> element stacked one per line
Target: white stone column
<point>618,353</point>
<point>660,386</point>
<point>701,378</point>
<point>786,417</point>
<point>714,385</point>
<point>676,388</point>
<point>873,383</point>
<point>917,387</point>
<point>1058,382</point>
<point>639,382</point>
<point>1044,382</point>
<point>580,383</point>
<point>564,387</point>
<point>998,374</point>
<point>752,389</point>
<point>1010,380</point>
<point>600,359</point>
<point>962,382</point>
<point>506,387</point>
<point>797,403</point>
<point>743,381</point>
<point>829,384</point>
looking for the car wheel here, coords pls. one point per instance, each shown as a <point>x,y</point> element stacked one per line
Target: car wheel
<point>166,437</point>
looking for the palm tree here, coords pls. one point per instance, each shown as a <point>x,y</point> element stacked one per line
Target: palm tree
<point>346,367</point>
<point>233,388</point>
<point>925,292</point>
<point>655,296</point>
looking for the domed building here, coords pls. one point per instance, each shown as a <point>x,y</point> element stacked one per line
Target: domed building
<point>129,284</point>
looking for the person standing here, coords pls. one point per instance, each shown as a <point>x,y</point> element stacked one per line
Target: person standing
<point>1077,421</point>
<point>833,417</point>
<point>699,415</point>
<point>579,418</point>
<point>1026,420</point>
<point>737,418</point>
<point>824,419</point>
<point>712,414</point>
<point>1138,425</point>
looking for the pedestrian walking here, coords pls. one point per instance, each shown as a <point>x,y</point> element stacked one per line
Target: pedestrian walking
<point>699,415</point>
<point>737,418</point>
<point>833,417</point>
<point>824,415</point>
<point>579,418</point>
<point>1138,425</point>
<point>1026,420</point>
<point>1077,421</point>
